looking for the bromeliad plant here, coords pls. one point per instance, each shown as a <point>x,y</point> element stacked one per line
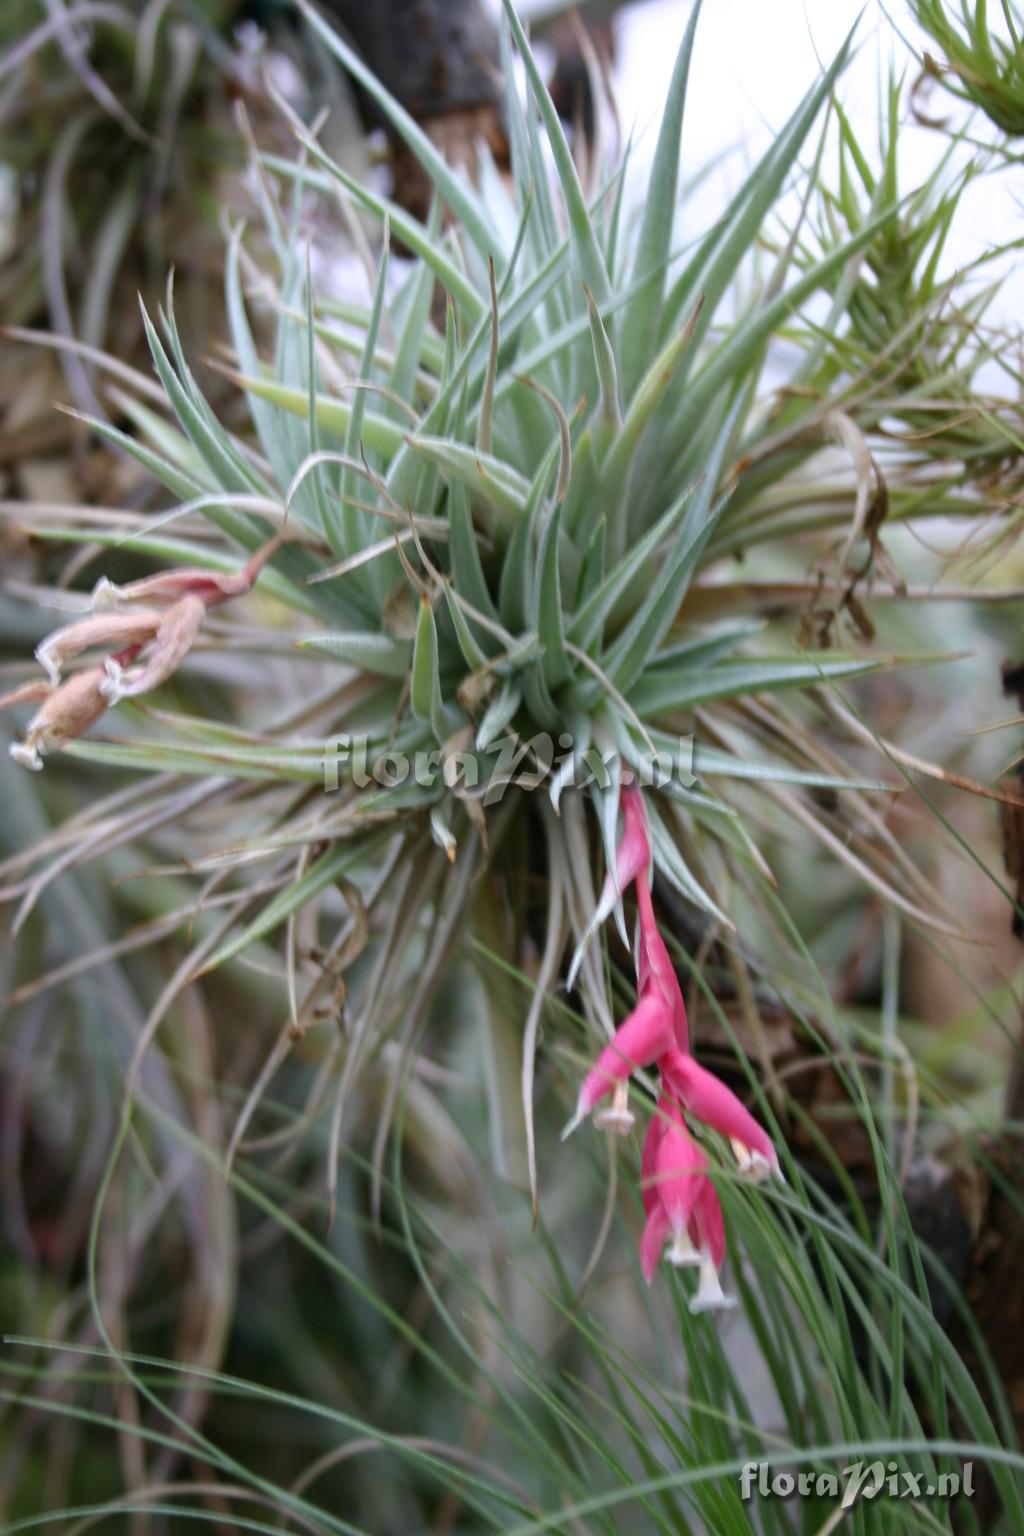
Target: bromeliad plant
<point>109,141</point>
<point>501,500</point>
<point>981,60</point>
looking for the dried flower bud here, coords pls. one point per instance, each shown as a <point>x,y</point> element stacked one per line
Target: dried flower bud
<point>212,587</point>
<point>110,630</point>
<point>168,630</point>
<point>28,693</point>
<point>66,714</point>
<point>178,627</point>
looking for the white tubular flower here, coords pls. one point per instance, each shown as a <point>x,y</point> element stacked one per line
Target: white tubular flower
<point>710,1297</point>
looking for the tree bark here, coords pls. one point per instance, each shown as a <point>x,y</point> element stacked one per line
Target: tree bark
<point>441,60</point>
<point>435,56</point>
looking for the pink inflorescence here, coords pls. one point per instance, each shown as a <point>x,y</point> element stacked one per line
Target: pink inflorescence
<point>684,1215</point>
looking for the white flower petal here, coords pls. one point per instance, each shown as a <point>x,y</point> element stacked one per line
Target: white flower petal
<point>710,1297</point>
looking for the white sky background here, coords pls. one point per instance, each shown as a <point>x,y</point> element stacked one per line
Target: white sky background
<point>752,62</point>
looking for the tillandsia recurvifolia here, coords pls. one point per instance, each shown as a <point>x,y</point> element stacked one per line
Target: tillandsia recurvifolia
<point>512,513</point>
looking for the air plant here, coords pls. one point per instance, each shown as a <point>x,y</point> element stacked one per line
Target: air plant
<point>496,513</point>
<point>516,514</point>
<point>981,61</point>
<point>419,676</point>
<point>102,132</point>
<point>119,144</point>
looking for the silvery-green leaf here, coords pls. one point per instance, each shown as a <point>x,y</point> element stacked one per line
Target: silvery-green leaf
<point>381,436</point>
<point>377,653</point>
<point>640,321</point>
<point>230,469</point>
<point>656,694</point>
<point>589,258</point>
<point>671,864</point>
<point>549,620</point>
<point>354,526</point>
<point>498,484</point>
<point>499,713</point>
<point>472,653</point>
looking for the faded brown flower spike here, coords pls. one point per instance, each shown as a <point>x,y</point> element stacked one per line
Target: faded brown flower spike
<point>147,628</point>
